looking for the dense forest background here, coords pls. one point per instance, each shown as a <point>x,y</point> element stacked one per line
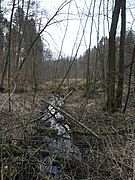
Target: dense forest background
<point>26,59</point>
<point>89,96</point>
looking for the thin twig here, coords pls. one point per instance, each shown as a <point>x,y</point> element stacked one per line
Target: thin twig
<point>9,95</point>
<point>74,120</point>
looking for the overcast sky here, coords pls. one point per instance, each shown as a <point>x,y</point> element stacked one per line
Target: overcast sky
<point>66,35</point>
<point>78,12</point>
<point>71,30</point>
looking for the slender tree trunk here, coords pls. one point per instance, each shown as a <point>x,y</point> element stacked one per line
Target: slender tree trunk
<point>9,55</point>
<point>112,59</point>
<point>1,42</point>
<point>88,76</point>
<point>121,56</point>
<point>134,82</point>
<point>129,82</point>
<point>88,56</point>
<point>7,62</point>
<point>75,73</point>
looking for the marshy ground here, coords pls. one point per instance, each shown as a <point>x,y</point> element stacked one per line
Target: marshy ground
<point>110,157</point>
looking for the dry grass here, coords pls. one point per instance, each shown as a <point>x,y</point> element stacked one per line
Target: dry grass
<point>110,157</point>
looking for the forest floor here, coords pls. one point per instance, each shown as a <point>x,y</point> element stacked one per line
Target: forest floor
<point>109,157</point>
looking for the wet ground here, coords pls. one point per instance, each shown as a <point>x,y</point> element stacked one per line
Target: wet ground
<point>110,157</point>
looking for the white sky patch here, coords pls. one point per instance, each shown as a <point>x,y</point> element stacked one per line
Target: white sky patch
<point>77,18</point>
<point>65,32</point>
<point>73,29</point>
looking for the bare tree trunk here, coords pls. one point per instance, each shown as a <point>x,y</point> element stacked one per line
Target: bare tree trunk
<point>134,82</point>
<point>9,55</point>
<point>7,62</point>
<point>19,40</point>
<point>1,37</point>
<point>121,56</point>
<point>1,45</point>
<point>129,82</point>
<point>88,76</point>
<point>75,73</point>
<point>112,59</point>
<point>88,56</point>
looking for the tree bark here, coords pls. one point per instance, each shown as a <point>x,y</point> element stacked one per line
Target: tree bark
<point>112,59</point>
<point>129,82</point>
<point>121,56</point>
